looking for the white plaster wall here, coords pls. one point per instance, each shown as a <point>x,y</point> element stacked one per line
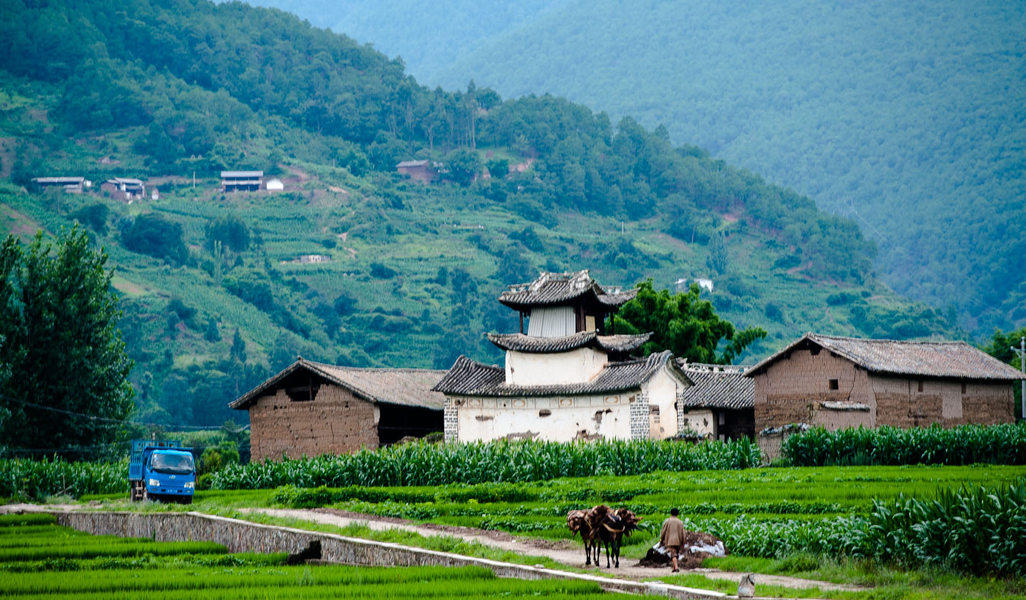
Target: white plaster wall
<point>662,390</point>
<point>701,421</point>
<point>576,366</point>
<point>569,418</point>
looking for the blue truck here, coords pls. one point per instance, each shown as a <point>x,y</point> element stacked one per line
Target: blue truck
<point>161,471</point>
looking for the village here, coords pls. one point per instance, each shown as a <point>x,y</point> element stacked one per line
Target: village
<point>512,301</point>
<point>566,378</point>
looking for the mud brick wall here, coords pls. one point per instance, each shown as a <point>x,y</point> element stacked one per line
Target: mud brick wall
<point>947,402</point>
<point>335,422</point>
<point>792,390</point>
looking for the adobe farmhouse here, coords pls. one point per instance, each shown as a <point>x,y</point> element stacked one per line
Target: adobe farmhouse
<point>840,382</point>
<point>566,378</point>
<point>312,408</point>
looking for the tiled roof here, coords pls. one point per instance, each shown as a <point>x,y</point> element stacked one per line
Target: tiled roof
<point>717,386</point>
<point>557,288</point>
<point>471,378</point>
<point>957,360</point>
<point>534,344</point>
<point>406,387</point>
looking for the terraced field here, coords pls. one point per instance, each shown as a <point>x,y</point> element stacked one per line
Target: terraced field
<point>39,559</point>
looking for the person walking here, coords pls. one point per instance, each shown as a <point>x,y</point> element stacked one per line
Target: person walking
<point>671,536</point>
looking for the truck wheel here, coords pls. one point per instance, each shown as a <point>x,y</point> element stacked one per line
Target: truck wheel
<point>187,500</point>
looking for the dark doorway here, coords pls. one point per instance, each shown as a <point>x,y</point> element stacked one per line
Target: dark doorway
<point>398,421</point>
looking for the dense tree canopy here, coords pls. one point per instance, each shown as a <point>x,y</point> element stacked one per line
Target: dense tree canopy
<point>684,324</point>
<point>67,390</point>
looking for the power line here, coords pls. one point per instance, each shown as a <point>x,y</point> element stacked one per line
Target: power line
<point>105,419</point>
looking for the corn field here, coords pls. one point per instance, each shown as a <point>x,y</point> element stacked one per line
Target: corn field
<point>962,445</point>
<point>36,479</point>
<point>471,463</point>
<point>977,530</point>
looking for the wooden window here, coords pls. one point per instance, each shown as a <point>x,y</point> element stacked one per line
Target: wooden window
<point>920,385</point>
<point>963,387</point>
<point>833,384</point>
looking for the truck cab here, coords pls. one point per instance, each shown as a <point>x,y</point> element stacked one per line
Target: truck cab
<point>162,471</point>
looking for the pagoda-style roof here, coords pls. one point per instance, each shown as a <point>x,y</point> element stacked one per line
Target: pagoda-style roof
<point>471,378</point>
<point>552,289</point>
<point>613,344</point>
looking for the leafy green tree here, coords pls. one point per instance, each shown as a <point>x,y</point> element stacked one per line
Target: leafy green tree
<point>1000,347</point>
<point>463,166</point>
<point>156,236</point>
<point>684,324</point>
<point>93,216</point>
<point>68,389</point>
<point>238,350</point>
<point>230,231</point>
<point>211,333</point>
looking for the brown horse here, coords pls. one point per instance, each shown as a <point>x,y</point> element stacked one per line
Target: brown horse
<point>579,521</point>
<point>611,530</point>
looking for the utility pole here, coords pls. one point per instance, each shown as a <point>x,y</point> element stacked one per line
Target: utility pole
<point>1021,351</point>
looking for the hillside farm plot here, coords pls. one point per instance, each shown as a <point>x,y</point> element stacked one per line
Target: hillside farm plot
<point>35,563</point>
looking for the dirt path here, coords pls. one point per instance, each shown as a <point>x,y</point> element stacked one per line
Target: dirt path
<point>564,552</point>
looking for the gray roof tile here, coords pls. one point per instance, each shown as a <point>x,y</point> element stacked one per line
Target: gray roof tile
<point>471,378</point>
<point>519,342</point>
<point>717,386</point>
<point>957,360</point>
<point>558,288</point>
<point>406,387</point>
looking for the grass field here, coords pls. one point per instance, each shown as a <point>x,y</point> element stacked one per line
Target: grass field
<point>34,563</point>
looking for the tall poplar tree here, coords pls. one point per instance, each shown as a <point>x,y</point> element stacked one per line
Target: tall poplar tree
<point>67,386</point>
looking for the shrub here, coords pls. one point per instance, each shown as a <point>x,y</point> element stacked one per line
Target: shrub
<point>154,235</point>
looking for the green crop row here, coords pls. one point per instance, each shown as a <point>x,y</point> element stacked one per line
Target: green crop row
<point>26,520</point>
<point>962,445</point>
<point>37,479</point>
<point>977,530</point>
<point>426,464</point>
<point>102,548</point>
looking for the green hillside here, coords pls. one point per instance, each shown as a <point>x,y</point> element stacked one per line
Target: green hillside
<point>215,291</point>
<point>905,116</point>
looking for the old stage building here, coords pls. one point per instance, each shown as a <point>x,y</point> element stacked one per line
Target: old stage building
<point>840,382</point>
<point>567,377</point>
<point>312,408</point>
<point>721,404</point>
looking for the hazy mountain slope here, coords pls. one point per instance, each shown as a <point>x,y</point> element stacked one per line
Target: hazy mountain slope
<point>407,274</point>
<point>910,116</point>
<point>906,116</point>
<point>428,36</point>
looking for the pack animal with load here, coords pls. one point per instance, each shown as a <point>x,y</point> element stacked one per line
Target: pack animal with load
<point>161,471</point>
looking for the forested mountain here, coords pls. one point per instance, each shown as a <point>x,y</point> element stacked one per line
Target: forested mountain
<point>353,263</point>
<point>907,116</point>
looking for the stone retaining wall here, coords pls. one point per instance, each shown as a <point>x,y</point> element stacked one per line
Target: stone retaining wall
<point>243,536</point>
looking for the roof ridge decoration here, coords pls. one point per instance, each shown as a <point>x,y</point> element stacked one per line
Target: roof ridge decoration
<point>550,289</point>
<point>944,359</point>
